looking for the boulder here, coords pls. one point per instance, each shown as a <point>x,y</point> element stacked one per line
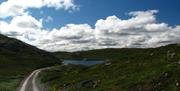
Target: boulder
<point>88,84</point>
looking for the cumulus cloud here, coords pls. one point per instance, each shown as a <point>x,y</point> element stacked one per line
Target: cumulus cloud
<point>141,30</point>
<point>14,7</point>
<point>25,28</point>
<point>68,37</point>
<point>66,4</point>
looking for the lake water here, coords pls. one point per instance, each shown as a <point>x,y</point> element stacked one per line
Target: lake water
<point>82,62</point>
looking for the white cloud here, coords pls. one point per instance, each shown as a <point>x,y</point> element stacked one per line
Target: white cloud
<point>67,37</point>
<point>14,7</point>
<point>25,28</point>
<point>26,21</point>
<point>8,9</point>
<point>66,4</point>
<point>142,30</point>
<point>49,19</point>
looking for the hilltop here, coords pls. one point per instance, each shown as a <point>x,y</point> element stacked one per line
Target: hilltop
<point>18,59</point>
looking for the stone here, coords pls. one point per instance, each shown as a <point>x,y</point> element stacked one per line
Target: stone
<point>109,63</point>
<point>86,83</point>
<point>177,83</point>
<point>151,54</point>
<point>67,85</point>
<point>166,74</point>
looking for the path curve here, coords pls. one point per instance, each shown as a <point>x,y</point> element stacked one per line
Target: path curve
<point>31,82</point>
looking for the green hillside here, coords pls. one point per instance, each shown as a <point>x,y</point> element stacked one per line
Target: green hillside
<point>154,69</point>
<point>18,59</point>
<point>122,54</point>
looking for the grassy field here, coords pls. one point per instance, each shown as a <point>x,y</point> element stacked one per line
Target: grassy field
<point>18,59</point>
<point>154,69</point>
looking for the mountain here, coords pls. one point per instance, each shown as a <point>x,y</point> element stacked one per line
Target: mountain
<point>127,69</point>
<point>17,59</point>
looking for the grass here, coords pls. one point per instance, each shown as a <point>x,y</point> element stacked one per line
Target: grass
<point>18,59</point>
<point>129,70</point>
<point>135,69</point>
<point>9,84</point>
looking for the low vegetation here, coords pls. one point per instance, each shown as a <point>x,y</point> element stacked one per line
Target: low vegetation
<point>154,69</point>
<point>18,59</point>
<point>134,69</point>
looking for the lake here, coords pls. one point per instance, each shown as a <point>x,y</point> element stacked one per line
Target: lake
<point>82,62</point>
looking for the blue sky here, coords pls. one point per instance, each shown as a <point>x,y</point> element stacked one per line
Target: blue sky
<point>75,25</point>
<point>92,10</point>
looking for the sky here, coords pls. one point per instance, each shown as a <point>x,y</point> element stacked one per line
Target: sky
<point>75,25</point>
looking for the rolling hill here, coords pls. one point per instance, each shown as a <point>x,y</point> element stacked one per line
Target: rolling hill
<point>127,69</point>
<point>17,59</point>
